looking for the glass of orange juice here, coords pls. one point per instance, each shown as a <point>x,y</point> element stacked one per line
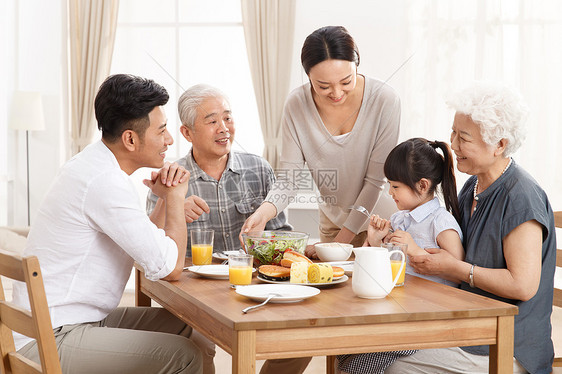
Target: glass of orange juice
<point>240,269</point>
<point>396,261</point>
<point>202,246</point>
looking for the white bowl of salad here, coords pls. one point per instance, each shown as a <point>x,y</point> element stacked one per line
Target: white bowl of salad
<point>268,247</point>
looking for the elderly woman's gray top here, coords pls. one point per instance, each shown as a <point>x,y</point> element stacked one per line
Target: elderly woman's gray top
<point>514,198</point>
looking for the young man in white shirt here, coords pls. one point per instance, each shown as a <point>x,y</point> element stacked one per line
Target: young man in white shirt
<point>90,229</point>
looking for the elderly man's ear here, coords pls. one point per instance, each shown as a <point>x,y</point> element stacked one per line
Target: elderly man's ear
<point>186,132</point>
<point>500,147</point>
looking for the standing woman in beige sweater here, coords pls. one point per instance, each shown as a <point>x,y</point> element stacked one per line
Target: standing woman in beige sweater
<point>340,125</point>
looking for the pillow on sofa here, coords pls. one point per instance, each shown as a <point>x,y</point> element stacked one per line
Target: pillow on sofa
<point>11,241</point>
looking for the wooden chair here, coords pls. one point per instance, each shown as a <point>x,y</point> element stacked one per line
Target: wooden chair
<point>35,324</point>
<point>557,300</point>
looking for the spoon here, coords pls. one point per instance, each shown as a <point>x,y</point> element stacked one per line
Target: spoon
<point>269,297</point>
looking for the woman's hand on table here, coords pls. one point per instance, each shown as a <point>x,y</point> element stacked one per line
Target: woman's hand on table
<point>258,220</point>
<point>435,262</point>
<point>310,251</point>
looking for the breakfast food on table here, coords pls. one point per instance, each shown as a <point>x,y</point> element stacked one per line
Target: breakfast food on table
<point>297,268</point>
<point>320,273</point>
<point>268,247</point>
<point>338,272</point>
<point>290,257</point>
<point>299,272</point>
<point>274,272</point>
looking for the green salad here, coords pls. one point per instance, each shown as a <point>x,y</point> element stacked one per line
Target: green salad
<point>268,247</point>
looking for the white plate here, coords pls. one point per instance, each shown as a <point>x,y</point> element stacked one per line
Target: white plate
<point>347,266</point>
<point>211,271</point>
<point>289,293</point>
<point>339,280</point>
<point>224,255</point>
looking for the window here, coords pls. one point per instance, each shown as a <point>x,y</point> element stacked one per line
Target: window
<point>182,43</point>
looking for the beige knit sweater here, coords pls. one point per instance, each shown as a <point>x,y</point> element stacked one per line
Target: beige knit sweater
<point>346,172</point>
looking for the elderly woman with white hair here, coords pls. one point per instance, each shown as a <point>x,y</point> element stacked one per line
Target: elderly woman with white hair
<point>509,235</point>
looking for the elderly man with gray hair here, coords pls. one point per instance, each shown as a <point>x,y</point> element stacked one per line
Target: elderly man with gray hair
<point>225,186</point>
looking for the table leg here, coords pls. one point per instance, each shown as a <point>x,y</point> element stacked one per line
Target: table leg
<point>244,352</point>
<point>501,354</point>
<point>330,364</point>
<point>140,298</point>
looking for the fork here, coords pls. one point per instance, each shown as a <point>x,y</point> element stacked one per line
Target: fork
<point>364,210</point>
<point>360,208</point>
<point>269,297</point>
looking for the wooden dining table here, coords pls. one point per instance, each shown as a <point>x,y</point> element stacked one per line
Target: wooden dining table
<point>421,314</point>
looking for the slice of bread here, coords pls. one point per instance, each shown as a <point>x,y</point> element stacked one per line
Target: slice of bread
<point>291,256</point>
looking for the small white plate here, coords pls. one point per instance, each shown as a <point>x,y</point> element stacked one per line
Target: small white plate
<point>339,280</point>
<point>347,266</point>
<point>289,293</point>
<point>211,271</point>
<point>224,255</point>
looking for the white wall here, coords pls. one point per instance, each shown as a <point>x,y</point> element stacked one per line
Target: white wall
<point>370,23</point>
<point>7,64</point>
<point>34,36</point>
<point>35,59</point>
<point>383,33</point>
<point>375,26</point>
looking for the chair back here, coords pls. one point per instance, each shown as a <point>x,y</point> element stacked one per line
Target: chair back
<point>35,324</point>
<point>557,297</point>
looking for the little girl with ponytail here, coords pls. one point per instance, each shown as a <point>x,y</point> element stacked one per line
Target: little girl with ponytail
<point>414,170</point>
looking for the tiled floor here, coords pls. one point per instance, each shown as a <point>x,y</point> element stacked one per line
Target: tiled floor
<point>223,360</point>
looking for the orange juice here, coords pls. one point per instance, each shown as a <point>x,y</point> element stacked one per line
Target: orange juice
<point>201,254</point>
<point>395,265</point>
<point>240,274</point>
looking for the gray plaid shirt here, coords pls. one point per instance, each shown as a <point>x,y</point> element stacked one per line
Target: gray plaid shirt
<point>242,188</point>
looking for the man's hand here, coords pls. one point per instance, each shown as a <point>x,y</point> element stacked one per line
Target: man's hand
<point>194,207</point>
<point>171,175</point>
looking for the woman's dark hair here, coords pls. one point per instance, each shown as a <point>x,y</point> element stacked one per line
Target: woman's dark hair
<point>124,101</point>
<point>328,43</point>
<point>418,158</point>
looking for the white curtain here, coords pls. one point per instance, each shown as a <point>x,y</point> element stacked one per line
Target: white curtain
<point>513,41</point>
<point>92,25</point>
<point>268,30</point>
